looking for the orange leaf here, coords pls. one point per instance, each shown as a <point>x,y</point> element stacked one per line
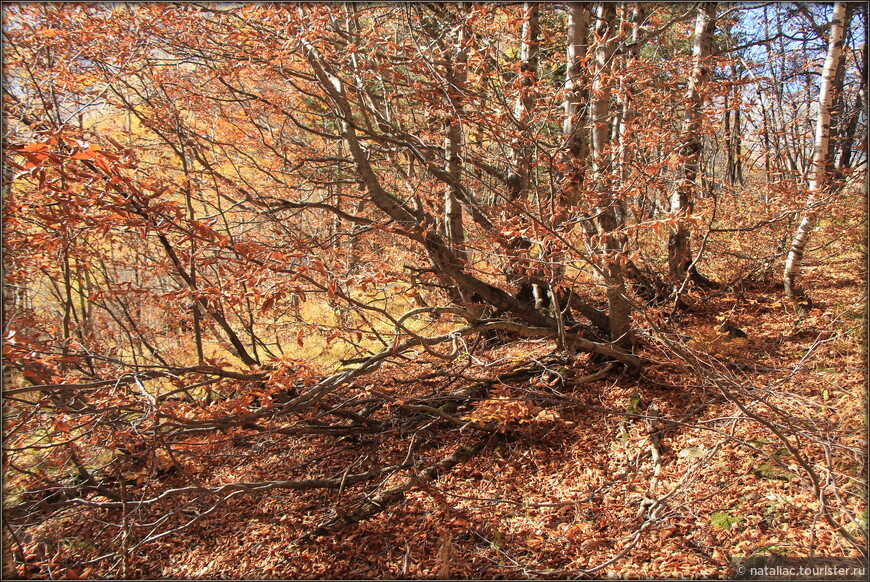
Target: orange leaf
<point>35,147</point>
<point>101,163</point>
<point>88,154</point>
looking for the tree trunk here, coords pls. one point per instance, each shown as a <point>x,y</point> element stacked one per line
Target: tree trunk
<point>601,88</point>
<point>610,211</point>
<point>844,152</point>
<point>520,178</point>
<point>820,155</point>
<point>842,122</point>
<point>454,231</point>
<point>733,142</point>
<point>622,129</point>
<point>191,214</point>
<point>576,145</point>
<point>682,198</point>
<point>413,222</point>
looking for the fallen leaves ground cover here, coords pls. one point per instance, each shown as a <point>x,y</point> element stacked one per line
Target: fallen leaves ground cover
<point>659,475</point>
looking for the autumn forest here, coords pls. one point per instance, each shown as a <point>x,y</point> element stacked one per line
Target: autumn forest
<point>433,290</point>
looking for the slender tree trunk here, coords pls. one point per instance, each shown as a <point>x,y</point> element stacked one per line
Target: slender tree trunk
<point>729,147</point>
<point>844,152</point>
<point>601,89</point>
<point>576,151</point>
<point>520,179</point>
<point>68,308</point>
<point>625,97</point>
<point>454,231</point>
<point>682,198</point>
<point>840,119</point>
<point>818,167</point>
<point>85,328</point>
<point>737,142</point>
<point>188,197</point>
<point>733,142</point>
<point>609,213</point>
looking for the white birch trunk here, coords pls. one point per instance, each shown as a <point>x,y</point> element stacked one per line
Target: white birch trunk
<point>818,166</point>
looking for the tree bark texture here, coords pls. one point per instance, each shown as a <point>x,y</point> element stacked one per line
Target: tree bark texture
<point>609,212</point>
<point>682,197</point>
<point>455,76</point>
<point>818,166</point>
<point>576,144</point>
<point>520,179</point>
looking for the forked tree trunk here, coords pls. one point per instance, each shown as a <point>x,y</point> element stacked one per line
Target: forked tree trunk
<point>682,198</point>
<point>818,166</point>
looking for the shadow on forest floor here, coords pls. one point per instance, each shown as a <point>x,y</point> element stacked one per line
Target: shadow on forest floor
<point>660,471</point>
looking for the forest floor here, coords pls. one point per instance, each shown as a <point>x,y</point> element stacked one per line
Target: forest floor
<point>559,490</point>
